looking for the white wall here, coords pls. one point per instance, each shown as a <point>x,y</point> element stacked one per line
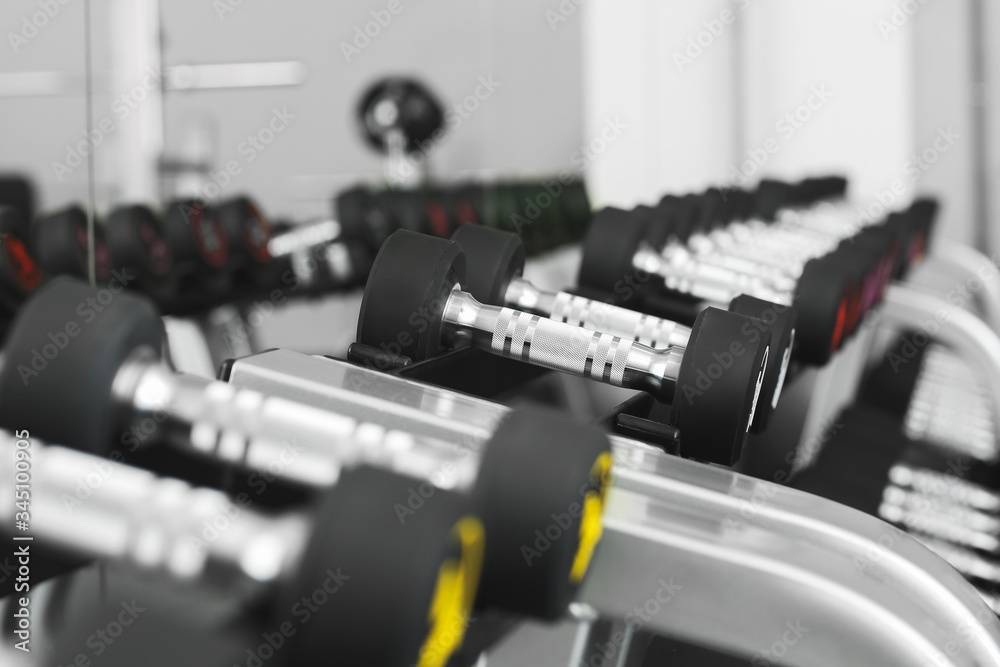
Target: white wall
<point>532,123</point>
<point>681,130</point>
<point>896,82</point>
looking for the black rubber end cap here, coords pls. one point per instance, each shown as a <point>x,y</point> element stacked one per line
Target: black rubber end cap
<point>247,229</point>
<point>771,196</point>
<point>12,222</point>
<point>492,258</point>
<point>407,289</point>
<point>611,243</point>
<point>195,233</point>
<point>379,543</point>
<point>61,357</point>
<point>778,322</point>
<point>135,240</point>
<point>822,300</point>
<point>18,192</point>
<point>59,241</point>
<point>541,474</point>
<point>720,378</point>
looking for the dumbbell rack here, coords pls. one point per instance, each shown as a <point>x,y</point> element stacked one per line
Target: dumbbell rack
<point>830,388</point>
<point>909,307</point>
<point>681,522</point>
<point>675,520</point>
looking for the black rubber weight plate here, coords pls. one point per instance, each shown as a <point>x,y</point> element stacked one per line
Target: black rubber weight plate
<point>716,387</point>
<point>492,258</point>
<point>611,243</point>
<point>372,567</point>
<point>821,300</point>
<point>406,293</point>
<point>56,383</point>
<point>779,322</point>
<point>54,241</point>
<point>534,479</point>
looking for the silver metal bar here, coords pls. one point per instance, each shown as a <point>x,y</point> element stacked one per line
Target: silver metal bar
<point>545,342</point>
<point>745,566</point>
<point>607,318</point>
<point>239,425</point>
<point>103,509</point>
<point>950,325</point>
<point>730,541</point>
<point>967,261</point>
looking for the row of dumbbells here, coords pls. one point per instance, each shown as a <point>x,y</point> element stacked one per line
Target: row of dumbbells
<point>416,570</point>
<point>545,213</point>
<point>944,496</point>
<point>189,259</point>
<point>831,266</point>
<point>919,450</point>
<point>721,372</point>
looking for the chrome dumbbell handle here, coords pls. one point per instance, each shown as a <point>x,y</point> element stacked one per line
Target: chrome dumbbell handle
<point>761,249</point>
<point>938,524</point>
<point>958,514</point>
<point>768,268</point>
<point>309,445</point>
<point>578,311</point>
<point>952,488</point>
<point>545,342</point>
<point>763,279</point>
<point>712,283</point>
<point>103,509</point>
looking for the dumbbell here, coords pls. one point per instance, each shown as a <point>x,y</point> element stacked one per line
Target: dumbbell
<point>772,196</point>
<point>865,263</point>
<point>199,246</point>
<point>60,242</point>
<point>413,305</point>
<point>870,466</point>
<point>809,232</point>
<point>545,213</point>
<point>778,252</point>
<point>620,244</point>
<point>103,373</point>
<point>898,242</point>
<point>319,258</point>
<point>134,234</point>
<point>494,267</point>
<point>248,232</point>
<point>397,109</point>
<point>860,268</point>
<point>934,395</point>
<point>411,582</point>
<point>949,406</point>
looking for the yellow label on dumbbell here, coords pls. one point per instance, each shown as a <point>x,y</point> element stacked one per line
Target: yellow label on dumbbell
<point>454,594</point>
<point>591,526</point>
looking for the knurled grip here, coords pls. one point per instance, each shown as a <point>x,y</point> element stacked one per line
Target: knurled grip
<point>630,324</point>
<point>309,445</point>
<point>102,508</point>
<point>560,346</point>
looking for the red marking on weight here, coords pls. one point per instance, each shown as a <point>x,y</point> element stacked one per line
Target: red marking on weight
<point>102,258</point>
<point>23,267</point>
<point>209,237</point>
<point>159,252</point>
<point>257,235</point>
<point>438,219</point>
<point>466,214</point>
<point>838,329</point>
